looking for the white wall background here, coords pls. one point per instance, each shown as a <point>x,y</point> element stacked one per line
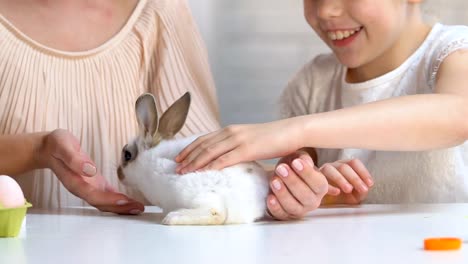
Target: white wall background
<point>255,46</point>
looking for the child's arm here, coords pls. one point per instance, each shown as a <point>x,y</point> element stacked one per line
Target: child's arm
<point>409,123</point>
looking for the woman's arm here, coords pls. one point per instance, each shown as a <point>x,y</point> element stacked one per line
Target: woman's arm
<point>21,153</point>
<point>60,151</point>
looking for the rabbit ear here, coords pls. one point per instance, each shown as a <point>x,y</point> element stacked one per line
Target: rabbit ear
<point>147,115</point>
<point>174,118</point>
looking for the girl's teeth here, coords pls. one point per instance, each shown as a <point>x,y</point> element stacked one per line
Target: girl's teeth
<point>339,35</point>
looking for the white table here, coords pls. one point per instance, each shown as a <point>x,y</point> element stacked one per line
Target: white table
<point>364,234</point>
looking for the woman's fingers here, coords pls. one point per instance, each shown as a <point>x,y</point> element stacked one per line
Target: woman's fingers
<point>114,202</point>
<point>304,167</point>
<point>65,147</point>
<point>297,187</point>
<point>98,197</point>
<point>275,209</point>
<point>78,162</point>
<point>286,199</point>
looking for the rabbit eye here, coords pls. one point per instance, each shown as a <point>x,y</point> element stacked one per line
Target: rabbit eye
<point>127,155</point>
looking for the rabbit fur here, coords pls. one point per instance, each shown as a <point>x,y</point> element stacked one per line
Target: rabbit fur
<point>233,195</point>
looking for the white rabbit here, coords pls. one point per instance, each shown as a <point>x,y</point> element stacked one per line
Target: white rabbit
<point>233,195</point>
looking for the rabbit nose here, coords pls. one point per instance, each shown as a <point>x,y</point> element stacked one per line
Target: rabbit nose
<point>120,174</point>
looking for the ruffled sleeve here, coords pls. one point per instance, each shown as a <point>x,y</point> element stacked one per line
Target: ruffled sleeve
<point>452,39</point>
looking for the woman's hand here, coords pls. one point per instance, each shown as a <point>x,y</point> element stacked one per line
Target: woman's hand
<point>61,152</point>
<point>349,181</point>
<point>239,143</point>
<point>297,187</point>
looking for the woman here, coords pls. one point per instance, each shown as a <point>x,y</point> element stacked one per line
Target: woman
<point>70,72</point>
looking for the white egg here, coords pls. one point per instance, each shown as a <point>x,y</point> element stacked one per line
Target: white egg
<point>11,195</point>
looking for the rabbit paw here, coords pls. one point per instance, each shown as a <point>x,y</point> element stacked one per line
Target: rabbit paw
<point>194,217</point>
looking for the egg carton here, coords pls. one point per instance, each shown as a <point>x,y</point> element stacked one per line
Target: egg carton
<point>11,220</point>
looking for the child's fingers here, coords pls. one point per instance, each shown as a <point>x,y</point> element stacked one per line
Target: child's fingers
<point>333,191</point>
<point>354,198</point>
<point>286,199</point>
<point>201,152</point>
<point>353,178</point>
<point>213,150</point>
<point>333,175</point>
<point>275,209</point>
<point>228,159</point>
<point>362,171</point>
<point>192,146</point>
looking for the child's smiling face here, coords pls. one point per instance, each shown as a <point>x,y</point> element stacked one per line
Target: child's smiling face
<point>359,31</point>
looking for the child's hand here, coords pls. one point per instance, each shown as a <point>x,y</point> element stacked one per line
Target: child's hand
<point>349,181</point>
<point>297,187</point>
<point>61,152</point>
<point>239,143</point>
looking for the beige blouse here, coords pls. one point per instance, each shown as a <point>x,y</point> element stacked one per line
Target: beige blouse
<point>92,93</point>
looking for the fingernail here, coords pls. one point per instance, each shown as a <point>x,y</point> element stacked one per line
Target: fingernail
<point>135,212</point>
<point>282,171</point>
<point>273,201</point>
<point>276,184</point>
<point>370,183</point>
<point>297,164</point>
<point>121,202</point>
<point>89,169</point>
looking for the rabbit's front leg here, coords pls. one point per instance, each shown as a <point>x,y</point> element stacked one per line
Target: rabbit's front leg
<point>208,209</point>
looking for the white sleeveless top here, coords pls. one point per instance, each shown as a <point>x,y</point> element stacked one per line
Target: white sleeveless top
<point>93,93</point>
<point>400,177</point>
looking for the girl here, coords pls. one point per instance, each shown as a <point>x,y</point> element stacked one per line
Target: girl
<point>79,66</point>
<point>391,100</point>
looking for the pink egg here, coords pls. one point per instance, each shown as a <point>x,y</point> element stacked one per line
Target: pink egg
<point>11,195</point>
